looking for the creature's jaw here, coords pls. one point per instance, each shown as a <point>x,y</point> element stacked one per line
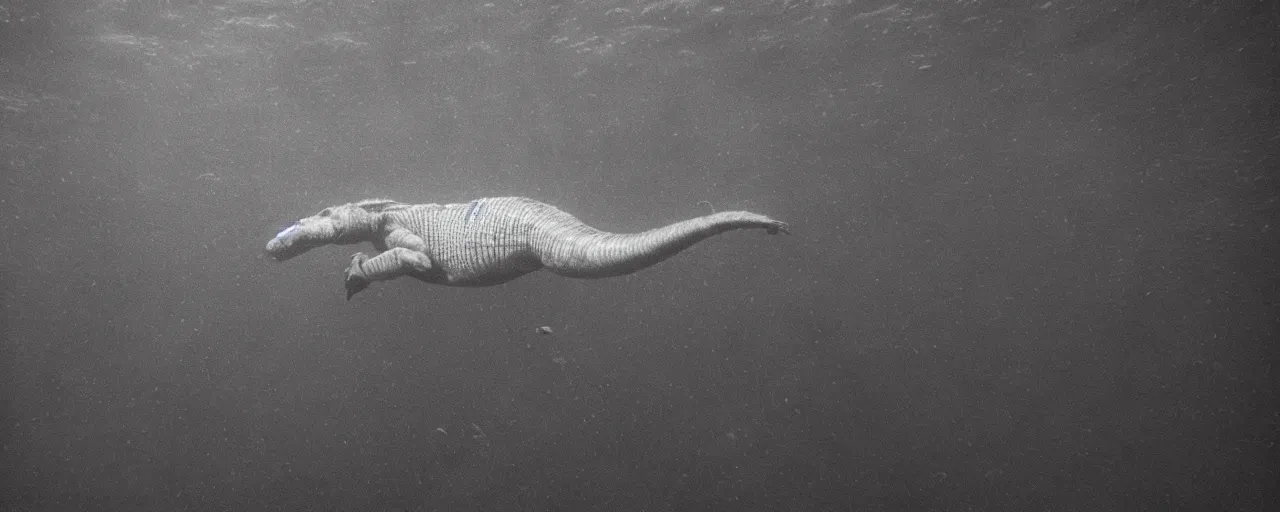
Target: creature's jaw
<point>281,250</point>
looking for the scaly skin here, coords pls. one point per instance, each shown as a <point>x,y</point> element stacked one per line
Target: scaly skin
<point>491,241</point>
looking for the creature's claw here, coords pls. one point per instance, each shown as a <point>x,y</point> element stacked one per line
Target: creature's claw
<point>776,227</point>
<point>354,275</point>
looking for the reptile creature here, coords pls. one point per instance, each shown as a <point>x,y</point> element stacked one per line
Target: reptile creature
<point>491,241</point>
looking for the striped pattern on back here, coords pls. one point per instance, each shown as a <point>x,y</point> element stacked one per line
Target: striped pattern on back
<point>479,243</point>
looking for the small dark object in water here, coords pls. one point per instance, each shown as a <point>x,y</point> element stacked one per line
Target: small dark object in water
<point>544,330</point>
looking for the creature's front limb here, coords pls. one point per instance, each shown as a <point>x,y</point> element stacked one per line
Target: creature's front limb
<point>401,237</point>
<point>393,263</point>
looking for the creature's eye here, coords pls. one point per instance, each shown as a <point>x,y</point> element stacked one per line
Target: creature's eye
<point>325,212</point>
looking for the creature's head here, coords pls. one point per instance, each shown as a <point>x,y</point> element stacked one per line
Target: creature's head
<point>350,223</point>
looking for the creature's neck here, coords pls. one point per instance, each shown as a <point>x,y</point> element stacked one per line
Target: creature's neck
<point>369,229</point>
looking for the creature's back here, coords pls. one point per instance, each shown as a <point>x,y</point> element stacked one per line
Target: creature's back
<point>483,242</point>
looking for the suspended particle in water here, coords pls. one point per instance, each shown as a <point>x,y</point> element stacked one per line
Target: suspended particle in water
<point>544,330</point>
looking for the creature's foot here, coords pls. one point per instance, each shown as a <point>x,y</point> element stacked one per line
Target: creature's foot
<point>776,226</point>
<point>354,275</point>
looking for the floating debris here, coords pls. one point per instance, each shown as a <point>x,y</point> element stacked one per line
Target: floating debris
<point>544,330</point>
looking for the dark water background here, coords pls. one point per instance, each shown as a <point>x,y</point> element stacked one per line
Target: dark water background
<point>1034,265</point>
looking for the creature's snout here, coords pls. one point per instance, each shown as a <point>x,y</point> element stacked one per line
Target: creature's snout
<point>275,250</point>
<point>282,247</point>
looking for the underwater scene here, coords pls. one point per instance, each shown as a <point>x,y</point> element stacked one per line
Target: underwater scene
<point>671,255</point>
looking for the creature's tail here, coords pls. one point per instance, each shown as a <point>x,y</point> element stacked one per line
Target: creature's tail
<point>570,248</point>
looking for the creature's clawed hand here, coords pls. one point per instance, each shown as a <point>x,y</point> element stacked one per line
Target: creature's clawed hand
<point>355,278</point>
